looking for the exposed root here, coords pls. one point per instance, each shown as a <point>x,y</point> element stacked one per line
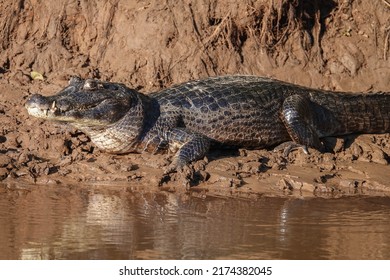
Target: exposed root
<point>387,3</point>
<point>277,25</point>
<point>218,30</point>
<point>386,43</point>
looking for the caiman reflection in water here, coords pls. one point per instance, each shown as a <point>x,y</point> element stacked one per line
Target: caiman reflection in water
<point>51,222</point>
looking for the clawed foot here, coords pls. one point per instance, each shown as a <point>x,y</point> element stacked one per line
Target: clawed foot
<point>287,147</point>
<point>186,172</point>
<point>175,166</point>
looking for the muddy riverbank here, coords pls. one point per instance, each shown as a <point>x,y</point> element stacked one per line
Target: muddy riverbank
<point>338,46</point>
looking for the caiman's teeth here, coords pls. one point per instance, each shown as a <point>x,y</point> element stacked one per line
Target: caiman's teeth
<point>53,107</point>
<point>46,111</point>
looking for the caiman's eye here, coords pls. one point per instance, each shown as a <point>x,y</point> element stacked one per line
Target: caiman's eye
<point>90,84</point>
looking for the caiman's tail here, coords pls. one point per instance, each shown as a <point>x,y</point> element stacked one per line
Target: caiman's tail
<point>364,113</point>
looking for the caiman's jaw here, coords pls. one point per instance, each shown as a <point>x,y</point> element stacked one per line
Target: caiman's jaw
<point>38,106</point>
<point>83,103</point>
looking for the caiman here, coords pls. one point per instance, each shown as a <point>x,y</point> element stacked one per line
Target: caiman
<point>239,111</point>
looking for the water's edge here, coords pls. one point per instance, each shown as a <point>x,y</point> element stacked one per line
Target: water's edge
<point>68,222</point>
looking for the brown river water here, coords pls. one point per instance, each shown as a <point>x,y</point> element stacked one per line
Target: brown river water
<point>106,222</point>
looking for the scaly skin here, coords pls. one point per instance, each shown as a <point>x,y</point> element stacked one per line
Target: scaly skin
<point>241,111</point>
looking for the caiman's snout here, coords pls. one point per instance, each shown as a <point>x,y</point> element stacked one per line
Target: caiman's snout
<point>84,103</point>
<point>37,100</point>
<point>40,106</point>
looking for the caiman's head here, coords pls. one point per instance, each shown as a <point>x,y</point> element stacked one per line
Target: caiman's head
<point>88,103</point>
<point>111,114</point>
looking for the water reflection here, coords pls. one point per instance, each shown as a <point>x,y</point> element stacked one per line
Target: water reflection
<point>51,222</point>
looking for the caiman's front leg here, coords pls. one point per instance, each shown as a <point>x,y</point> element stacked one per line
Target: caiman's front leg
<point>190,146</point>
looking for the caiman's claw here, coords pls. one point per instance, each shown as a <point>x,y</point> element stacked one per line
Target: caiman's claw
<point>170,169</point>
<point>289,146</point>
<point>184,171</point>
<point>176,165</point>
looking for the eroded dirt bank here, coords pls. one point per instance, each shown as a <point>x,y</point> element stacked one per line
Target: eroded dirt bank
<point>343,45</point>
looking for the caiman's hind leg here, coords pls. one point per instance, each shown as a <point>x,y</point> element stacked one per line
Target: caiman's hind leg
<point>299,118</point>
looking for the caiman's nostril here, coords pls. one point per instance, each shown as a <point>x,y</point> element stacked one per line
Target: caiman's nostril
<point>38,101</point>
